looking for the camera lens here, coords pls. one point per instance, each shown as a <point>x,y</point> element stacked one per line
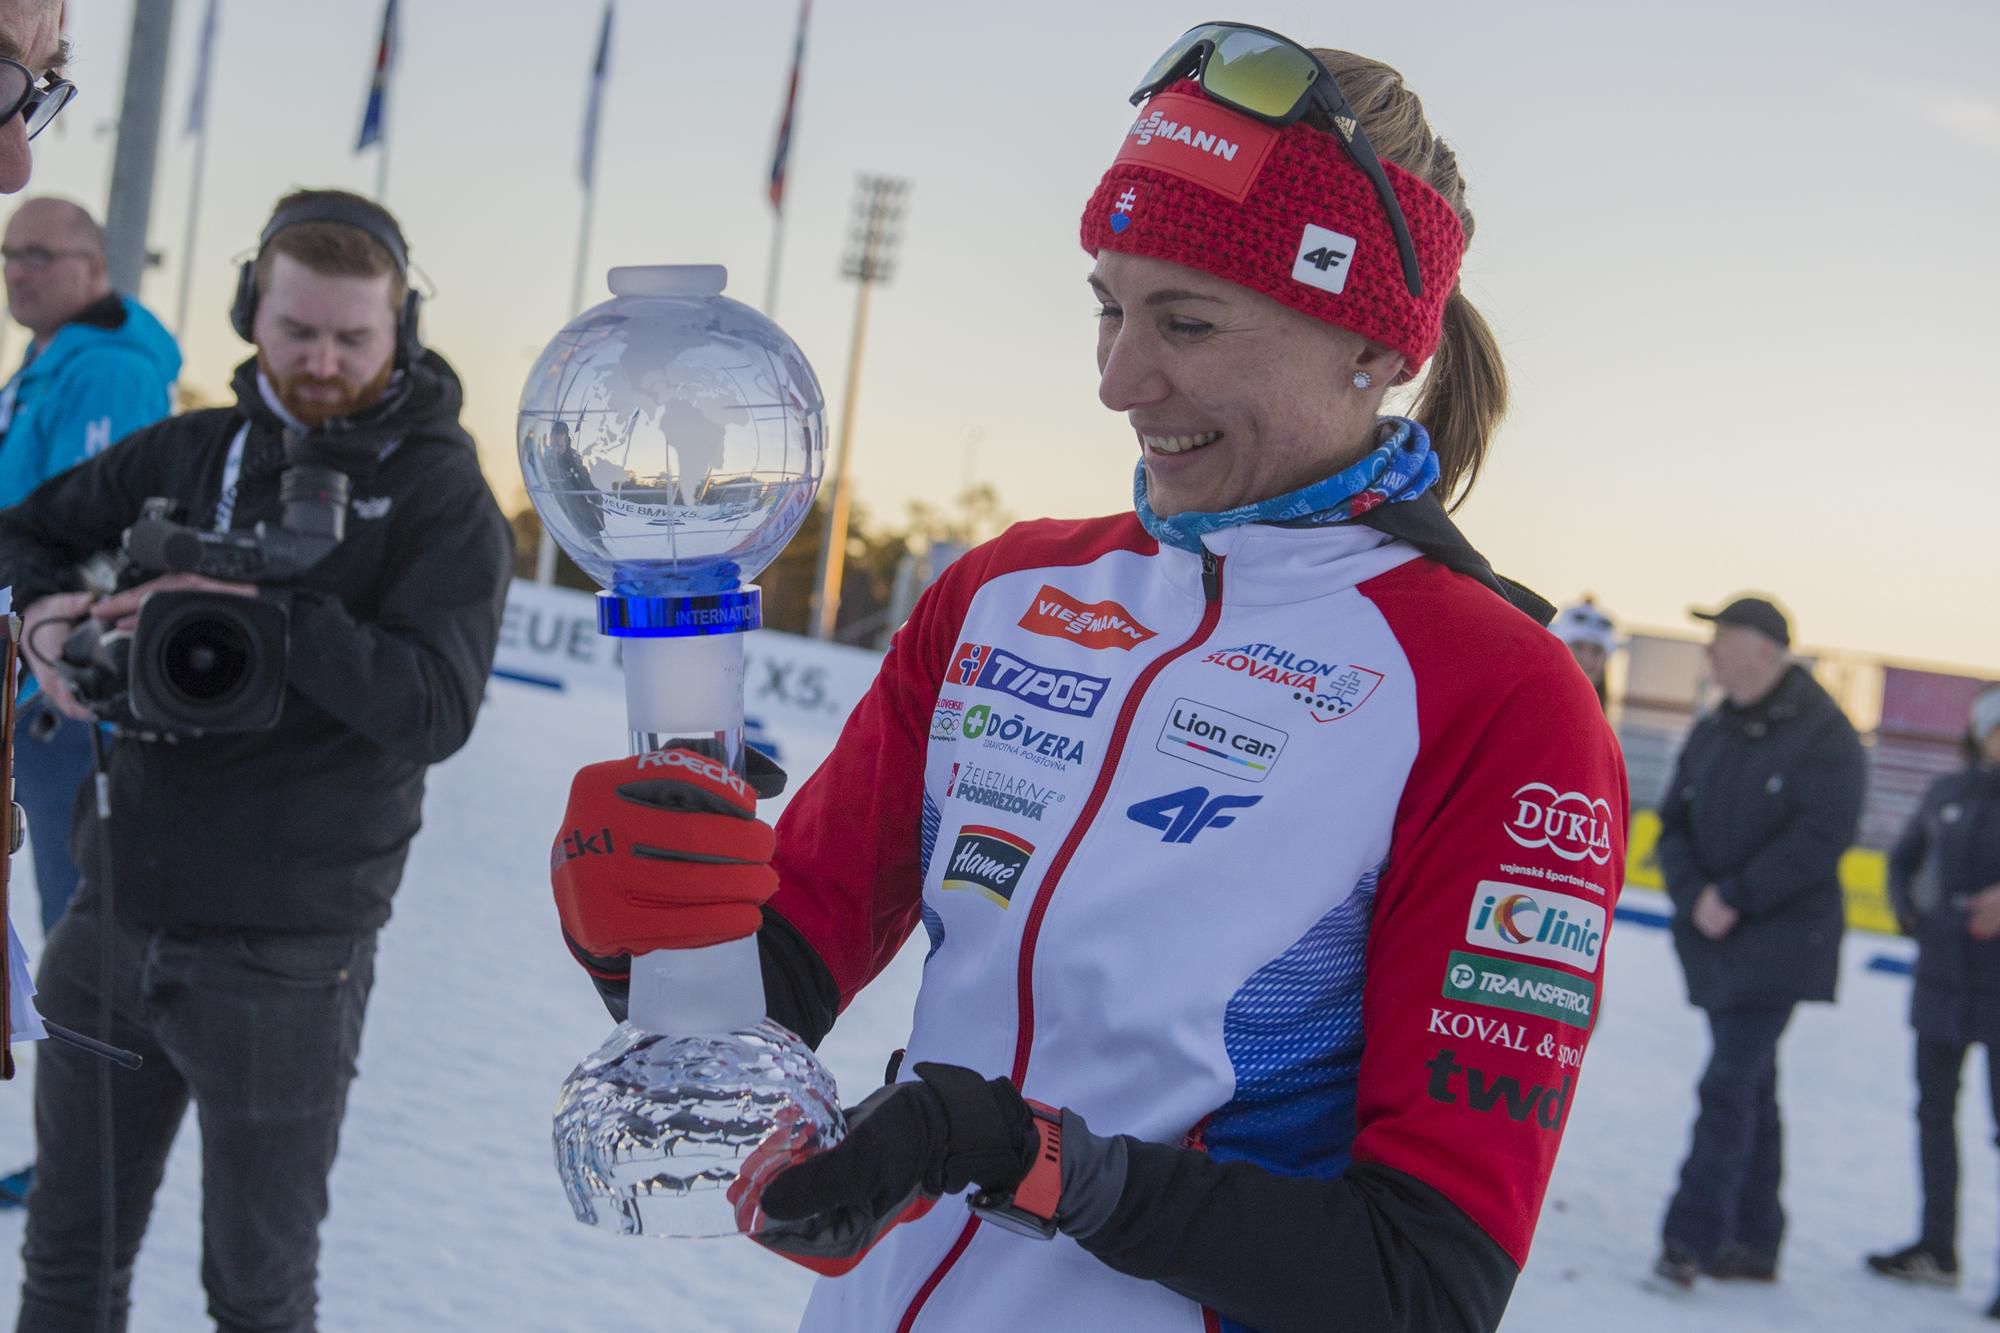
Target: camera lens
<point>204,660</point>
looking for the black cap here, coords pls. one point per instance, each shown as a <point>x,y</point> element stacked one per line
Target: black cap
<point>1752,613</point>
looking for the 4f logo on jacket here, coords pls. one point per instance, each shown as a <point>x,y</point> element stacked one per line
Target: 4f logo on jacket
<point>1181,815</point>
<point>993,668</point>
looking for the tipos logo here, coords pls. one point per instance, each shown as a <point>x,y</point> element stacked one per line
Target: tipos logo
<point>983,665</point>
<point>1091,624</point>
<point>1570,824</point>
<point>989,860</point>
<point>1536,924</point>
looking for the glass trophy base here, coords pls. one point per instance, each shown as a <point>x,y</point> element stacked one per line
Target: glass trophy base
<point>652,1131</point>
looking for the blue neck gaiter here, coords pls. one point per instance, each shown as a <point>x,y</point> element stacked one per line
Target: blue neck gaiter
<point>1400,467</point>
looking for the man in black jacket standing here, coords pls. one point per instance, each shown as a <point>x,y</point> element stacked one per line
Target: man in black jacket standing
<point>238,886</point>
<point>1765,798</point>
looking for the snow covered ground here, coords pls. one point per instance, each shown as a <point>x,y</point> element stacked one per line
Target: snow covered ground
<point>447,1213</point>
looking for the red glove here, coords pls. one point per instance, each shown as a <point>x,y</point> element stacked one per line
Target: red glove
<point>659,851</point>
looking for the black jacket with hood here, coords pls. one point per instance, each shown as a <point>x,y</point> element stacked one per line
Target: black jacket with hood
<point>305,827</point>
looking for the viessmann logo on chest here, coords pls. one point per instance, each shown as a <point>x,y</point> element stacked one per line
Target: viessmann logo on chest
<point>986,667</point>
<point>1091,624</point>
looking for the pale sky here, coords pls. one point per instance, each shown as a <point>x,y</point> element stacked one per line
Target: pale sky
<point>1741,256</point>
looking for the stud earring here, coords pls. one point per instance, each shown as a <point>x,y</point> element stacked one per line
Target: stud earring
<point>1362,379</point>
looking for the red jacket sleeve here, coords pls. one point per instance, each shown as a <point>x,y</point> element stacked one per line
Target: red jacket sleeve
<point>1486,955</point>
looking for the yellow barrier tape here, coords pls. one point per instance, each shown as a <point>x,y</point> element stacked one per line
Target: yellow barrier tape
<point>1864,875</point>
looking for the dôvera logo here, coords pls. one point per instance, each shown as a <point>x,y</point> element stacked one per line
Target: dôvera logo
<point>990,668</point>
<point>1535,923</point>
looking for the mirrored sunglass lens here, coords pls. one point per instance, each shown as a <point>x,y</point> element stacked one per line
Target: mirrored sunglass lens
<point>1175,58</point>
<point>52,101</point>
<point>1259,73</point>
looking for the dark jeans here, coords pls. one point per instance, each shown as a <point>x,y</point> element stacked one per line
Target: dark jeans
<point>1939,1064</point>
<point>261,1034</point>
<point>1728,1197</point>
<point>46,776</point>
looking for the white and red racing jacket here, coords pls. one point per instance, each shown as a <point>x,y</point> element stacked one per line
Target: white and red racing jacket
<point>1301,853</point>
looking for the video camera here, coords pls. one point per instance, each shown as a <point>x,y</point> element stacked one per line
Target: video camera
<point>199,662</point>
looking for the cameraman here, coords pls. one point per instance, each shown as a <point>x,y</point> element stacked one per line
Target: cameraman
<point>247,874</point>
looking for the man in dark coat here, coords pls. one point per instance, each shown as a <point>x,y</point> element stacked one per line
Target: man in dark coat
<point>234,896</point>
<point>1944,880</point>
<point>1765,798</point>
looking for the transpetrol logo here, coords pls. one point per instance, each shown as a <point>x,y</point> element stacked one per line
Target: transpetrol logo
<point>1523,987</point>
<point>1536,924</point>
<point>1103,624</point>
<point>988,860</point>
<point>1221,741</point>
<point>990,668</point>
<point>1570,824</point>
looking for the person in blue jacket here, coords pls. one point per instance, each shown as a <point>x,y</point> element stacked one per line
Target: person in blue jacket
<point>1944,882</point>
<point>100,366</point>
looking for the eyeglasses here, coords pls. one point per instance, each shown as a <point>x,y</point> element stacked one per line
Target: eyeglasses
<point>37,102</point>
<point>1273,79</point>
<point>37,257</point>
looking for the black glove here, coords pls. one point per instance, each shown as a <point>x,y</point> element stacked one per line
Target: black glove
<point>906,1146</point>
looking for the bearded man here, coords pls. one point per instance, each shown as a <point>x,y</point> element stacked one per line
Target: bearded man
<point>234,896</point>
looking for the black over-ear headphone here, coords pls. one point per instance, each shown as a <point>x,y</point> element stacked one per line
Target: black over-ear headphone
<point>344,212</point>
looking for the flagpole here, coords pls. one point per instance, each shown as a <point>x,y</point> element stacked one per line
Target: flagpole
<point>771,271</point>
<point>382,162</point>
<point>188,233</point>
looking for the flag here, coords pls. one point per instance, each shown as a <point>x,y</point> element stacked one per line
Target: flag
<point>784,145</point>
<point>374,117</point>
<point>198,99</point>
<point>586,163</point>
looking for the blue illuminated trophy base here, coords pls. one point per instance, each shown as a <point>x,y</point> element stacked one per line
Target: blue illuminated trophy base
<point>654,1128</point>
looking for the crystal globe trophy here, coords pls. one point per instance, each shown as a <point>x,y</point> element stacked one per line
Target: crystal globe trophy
<point>671,440</point>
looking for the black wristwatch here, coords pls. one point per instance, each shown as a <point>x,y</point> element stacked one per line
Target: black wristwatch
<point>1030,1209</point>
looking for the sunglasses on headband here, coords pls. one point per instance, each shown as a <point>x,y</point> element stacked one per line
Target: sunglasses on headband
<point>21,94</point>
<point>1273,79</point>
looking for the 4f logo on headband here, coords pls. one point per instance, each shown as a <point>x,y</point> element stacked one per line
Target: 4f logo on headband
<point>1324,259</point>
<point>1193,138</point>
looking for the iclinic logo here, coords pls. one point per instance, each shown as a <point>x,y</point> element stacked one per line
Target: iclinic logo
<point>1573,826</point>
<point>1536,924</point>
<point>1183,814</point>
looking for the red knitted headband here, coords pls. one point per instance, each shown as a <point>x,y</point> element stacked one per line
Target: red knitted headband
<point>1283,211</point>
